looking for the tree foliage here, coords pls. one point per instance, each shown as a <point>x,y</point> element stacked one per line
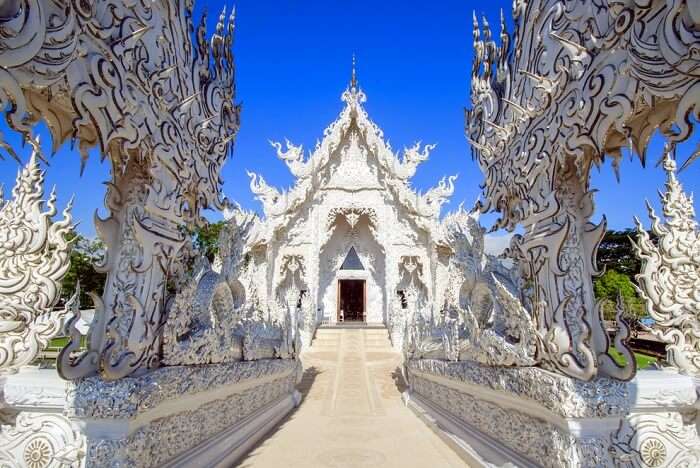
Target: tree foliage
<point>621,264</point>
<point>616,252</point>
<point>206,238</point>
<point>609,285</point>
<point>85,255</point>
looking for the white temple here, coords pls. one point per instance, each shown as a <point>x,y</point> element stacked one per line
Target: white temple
<point>192,364</point>
<point>351,232</point>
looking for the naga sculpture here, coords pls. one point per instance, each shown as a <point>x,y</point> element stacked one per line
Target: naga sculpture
<point>129,79</point>
<point>669,281</point>
<point>481,319</point>
<point>578,81</point>
<point>34,258</point>
<point>209,319</point>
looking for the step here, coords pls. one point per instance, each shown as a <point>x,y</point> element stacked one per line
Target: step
<point>352,325</point>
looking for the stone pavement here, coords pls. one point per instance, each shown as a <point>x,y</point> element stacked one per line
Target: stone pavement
<point>352,414</point>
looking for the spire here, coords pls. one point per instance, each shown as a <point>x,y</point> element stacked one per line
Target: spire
<point>353,81</point>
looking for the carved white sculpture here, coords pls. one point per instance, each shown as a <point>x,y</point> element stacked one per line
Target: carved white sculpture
<point>352,192</point>
<point>34,258</point>
<point>669,281</point>
<point>128,78</point>
<point>579,83</point>
<point>210,321</point>
<point>41,441</point>
<point>481,320</point>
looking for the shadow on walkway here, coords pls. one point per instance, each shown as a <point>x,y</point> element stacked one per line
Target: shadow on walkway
<point>307,381</point>
<point>397,377</point>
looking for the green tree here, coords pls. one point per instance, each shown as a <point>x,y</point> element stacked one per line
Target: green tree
<point>85,255</point>
<point>616,252</point>
<point>621,264</point>
<point>206,238</point>
<point>607,287</point>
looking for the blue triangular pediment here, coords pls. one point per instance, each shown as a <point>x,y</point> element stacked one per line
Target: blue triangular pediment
<point>352,261</point>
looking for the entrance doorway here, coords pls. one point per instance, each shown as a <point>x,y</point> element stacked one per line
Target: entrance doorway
<point>351,300</point>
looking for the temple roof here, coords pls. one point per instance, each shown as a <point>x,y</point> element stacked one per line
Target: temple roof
<point>352,127</point>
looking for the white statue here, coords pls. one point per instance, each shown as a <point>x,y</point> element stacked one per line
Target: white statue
<point>34,258</point>
<point>574,85</point>
<point>669,281</point>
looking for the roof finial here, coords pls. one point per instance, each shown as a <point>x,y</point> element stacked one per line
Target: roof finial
<point>353,82</point>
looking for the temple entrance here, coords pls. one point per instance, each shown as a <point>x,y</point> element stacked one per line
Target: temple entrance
<point>351,300</point>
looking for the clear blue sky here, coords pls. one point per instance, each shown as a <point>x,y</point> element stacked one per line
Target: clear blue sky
<point>414,59</point>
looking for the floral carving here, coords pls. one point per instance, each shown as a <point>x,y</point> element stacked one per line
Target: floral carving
<point>34,258</point>
<point>42,440</point>
<point>37,454</point>
<point>656,439</point>
<point>653,452</point>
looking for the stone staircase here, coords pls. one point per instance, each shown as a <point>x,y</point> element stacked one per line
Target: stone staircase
<point>327,337</point>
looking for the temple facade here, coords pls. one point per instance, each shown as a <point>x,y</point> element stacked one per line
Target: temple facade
<point>350,236</point>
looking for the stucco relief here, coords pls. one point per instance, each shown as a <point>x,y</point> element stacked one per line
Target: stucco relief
<point>34,258</point>
<point>351,192</point>
<point>662,439</point>
<point>670,273</point>
<point>39,440</point>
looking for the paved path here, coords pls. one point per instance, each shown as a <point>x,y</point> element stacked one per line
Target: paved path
<point>352,414</point>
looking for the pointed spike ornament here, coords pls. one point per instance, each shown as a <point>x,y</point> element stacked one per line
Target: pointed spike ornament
<point>33,261</point>
<point>671,272</point>
<point>353,80</point>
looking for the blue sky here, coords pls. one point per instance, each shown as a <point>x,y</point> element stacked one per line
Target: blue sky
<point>293,61</point>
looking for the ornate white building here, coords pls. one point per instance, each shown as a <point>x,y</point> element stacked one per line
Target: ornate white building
<point>351,232</point>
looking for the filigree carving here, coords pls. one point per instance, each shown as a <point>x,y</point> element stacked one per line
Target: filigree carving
<point>130,79</point>
<point>34,258</point>
<point>41,441</point>
<point>669,281</point>
<point>353,156</point>
<point>574,88</point>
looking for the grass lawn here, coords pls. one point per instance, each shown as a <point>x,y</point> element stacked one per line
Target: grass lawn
<point>643,360</point>
<point>59,342</point>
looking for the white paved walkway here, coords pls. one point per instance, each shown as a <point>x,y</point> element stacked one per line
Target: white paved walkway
<point>352,414</point>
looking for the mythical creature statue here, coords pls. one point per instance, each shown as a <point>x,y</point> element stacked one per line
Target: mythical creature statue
<point>209,321</point>
<point>576,82</point>
<point>131,79</point>
<point>669,281</point>
<point>34,258</point>
<point>481,319</point>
